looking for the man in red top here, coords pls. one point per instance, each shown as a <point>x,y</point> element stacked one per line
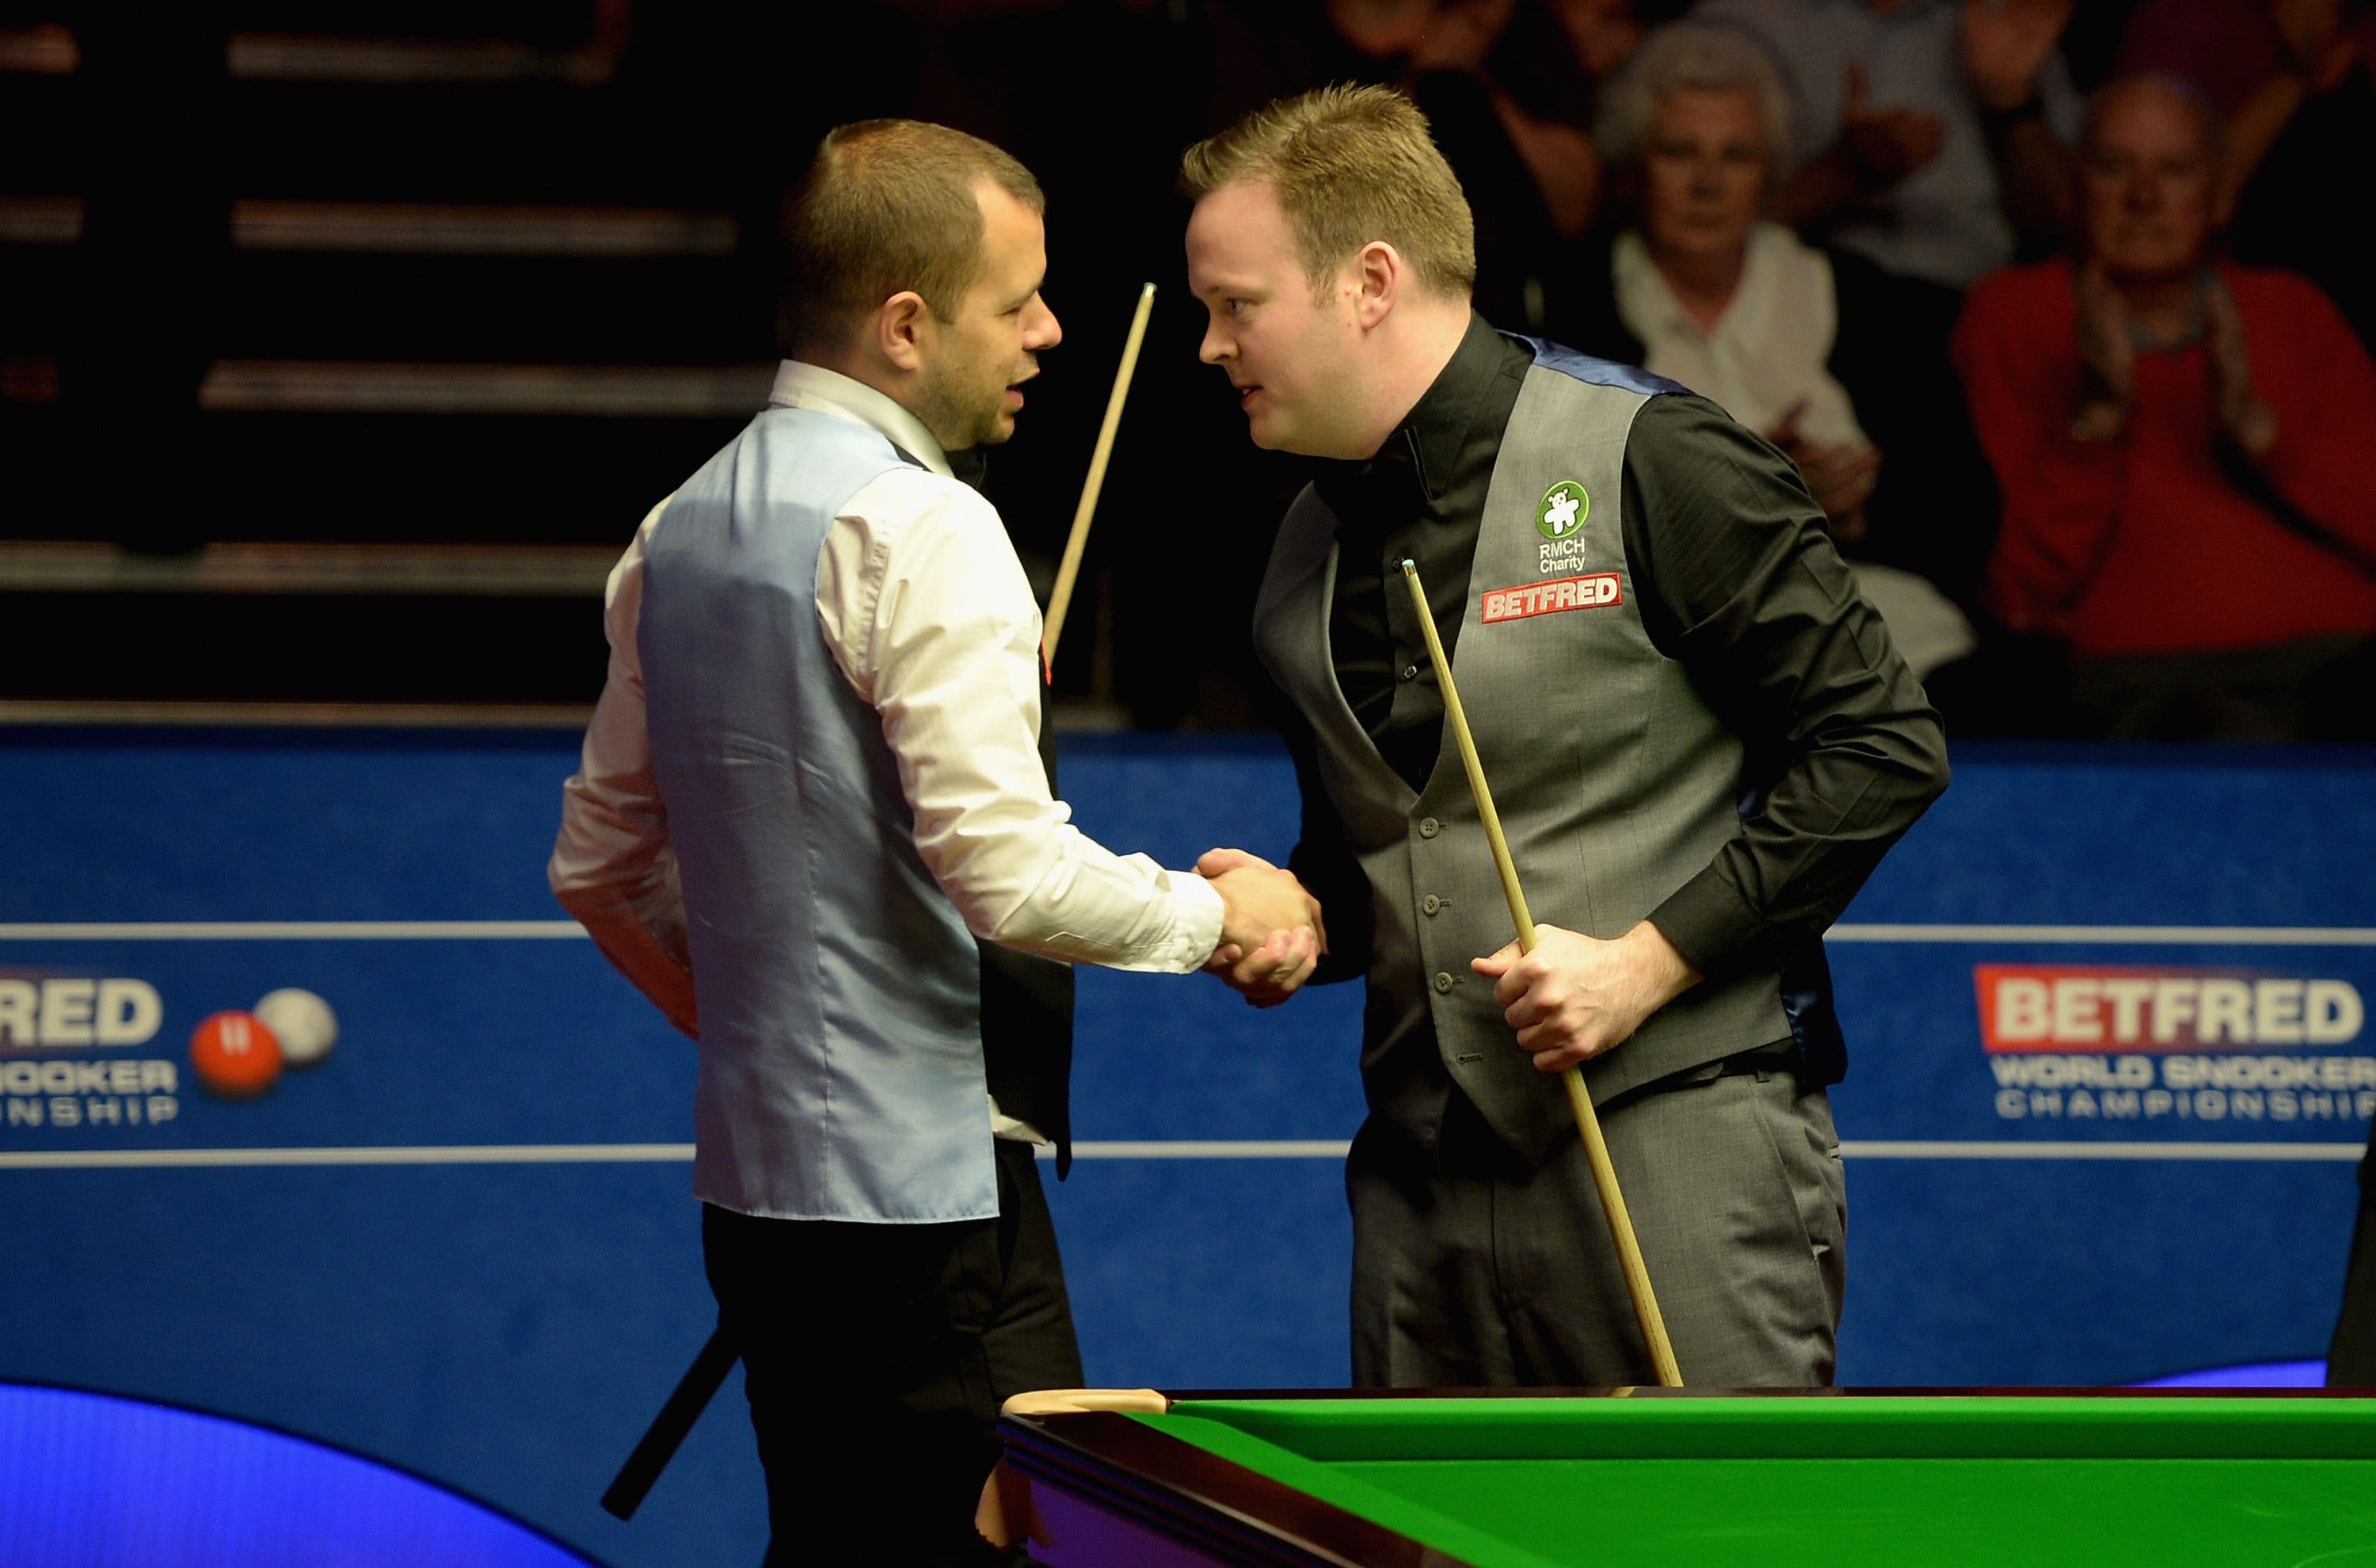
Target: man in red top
<point>2187,449</point>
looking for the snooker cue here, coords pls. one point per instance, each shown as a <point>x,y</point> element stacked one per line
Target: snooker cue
<point>661,1441</point>
<point>1062,598</point>
<point>1587,1123</point>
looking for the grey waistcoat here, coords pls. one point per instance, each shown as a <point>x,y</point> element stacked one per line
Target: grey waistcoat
<point>1614,780</point>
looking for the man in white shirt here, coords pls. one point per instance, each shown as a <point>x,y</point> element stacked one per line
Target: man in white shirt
<point>815,776</point>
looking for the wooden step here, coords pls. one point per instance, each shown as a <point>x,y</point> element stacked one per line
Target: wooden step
<point>466,570</point>
<point>301,386</point>
<point>49,50</point>
<point>419,227</point>
<point>329,387</point>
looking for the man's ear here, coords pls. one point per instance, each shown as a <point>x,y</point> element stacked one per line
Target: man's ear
<point>1379,276</point>
<point>901,324</point>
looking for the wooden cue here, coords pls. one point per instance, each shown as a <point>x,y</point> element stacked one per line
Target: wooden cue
<point>1587,1123</point>
<point>1059,600</point>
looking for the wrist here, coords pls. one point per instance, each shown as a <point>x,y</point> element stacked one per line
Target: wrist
<point>1665,971</point>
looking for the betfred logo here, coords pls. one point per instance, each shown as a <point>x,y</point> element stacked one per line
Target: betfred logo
<point>44,1012</point>
<point>2068,1008</point>
<point>1588,592</point>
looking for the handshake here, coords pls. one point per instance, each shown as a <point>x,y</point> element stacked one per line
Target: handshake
<point>1271,935</point>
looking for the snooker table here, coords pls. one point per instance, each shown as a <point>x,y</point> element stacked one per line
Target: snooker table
<point>1619,1479</point>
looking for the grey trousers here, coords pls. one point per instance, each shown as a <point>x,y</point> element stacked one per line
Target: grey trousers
<point>1471,1269</point>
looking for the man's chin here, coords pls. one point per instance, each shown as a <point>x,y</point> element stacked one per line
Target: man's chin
<point>1270,437</point>
<point>994,434</point>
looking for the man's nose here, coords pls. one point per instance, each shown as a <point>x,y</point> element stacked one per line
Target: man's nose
<point>1211,349</point>
<point>1045,332</point>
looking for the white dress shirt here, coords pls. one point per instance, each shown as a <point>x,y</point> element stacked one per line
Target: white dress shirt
<point>928,615</point>
<point>1766,354</point>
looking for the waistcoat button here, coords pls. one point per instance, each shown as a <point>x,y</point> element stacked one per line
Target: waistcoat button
<point>1428,827</point>
<point>1443,981</point>
<point>1430,904</point>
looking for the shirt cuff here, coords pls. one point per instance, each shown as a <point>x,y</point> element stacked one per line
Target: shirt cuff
<point>1708,922</point>
<point>1200,916</point>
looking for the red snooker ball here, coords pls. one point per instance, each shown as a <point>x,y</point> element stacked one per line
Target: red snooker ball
<point>235,1054</point>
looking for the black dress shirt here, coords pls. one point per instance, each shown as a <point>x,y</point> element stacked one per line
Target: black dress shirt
<point>1843,750</point>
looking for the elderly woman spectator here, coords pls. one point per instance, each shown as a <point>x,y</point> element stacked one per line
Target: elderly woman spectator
<point>1927,136</point>
<point>2183,446</point>
<point>1839,364</point>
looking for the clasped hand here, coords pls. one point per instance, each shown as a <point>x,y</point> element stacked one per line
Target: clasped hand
<point>1575,996</point>
<point>1272,937</point>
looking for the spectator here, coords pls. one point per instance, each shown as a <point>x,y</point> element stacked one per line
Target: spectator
<point>1508,87</point>
<point>1839,364</point>
<point>2190,489</point>
<point>2293,79</point>
<point>1929,135</point>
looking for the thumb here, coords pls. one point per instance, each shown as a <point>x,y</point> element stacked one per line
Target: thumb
<point>1213,862</point>
<point>1497,963</point>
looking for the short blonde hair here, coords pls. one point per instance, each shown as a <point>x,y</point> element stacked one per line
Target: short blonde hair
<point>1350,165</point>
<point>886,206</point>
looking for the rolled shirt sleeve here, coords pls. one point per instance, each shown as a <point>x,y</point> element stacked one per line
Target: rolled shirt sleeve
<point>929,616</point>
<point>612,865</point>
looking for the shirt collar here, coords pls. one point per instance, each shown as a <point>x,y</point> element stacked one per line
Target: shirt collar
<point>799,385</point>
<point>1429,444</point>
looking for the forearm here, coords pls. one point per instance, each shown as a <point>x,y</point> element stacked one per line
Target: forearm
<point>613,866</point>
<point>615,872</point>
<point>2061,494</point>
<point>1822,190</point>
<point>1805,851</point>
<point>2036,170</point>
<point>925,609</point>
<point>649,952</point>
<point>1753,600</point>
<point>2257,124</point>
<point>2057,522</point>
<point>2323,385</point>
<point>1058,894</point>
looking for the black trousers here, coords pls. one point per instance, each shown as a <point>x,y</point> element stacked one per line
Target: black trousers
<point>876,1356</point>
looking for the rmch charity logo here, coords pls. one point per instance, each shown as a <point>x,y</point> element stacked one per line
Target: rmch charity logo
<point>1563,509</point>
<point>1559,518</point>
<point>72,1050</point>
<point>2130,1043</point>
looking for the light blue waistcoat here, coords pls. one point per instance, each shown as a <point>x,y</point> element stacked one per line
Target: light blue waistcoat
<point>841,1065</point>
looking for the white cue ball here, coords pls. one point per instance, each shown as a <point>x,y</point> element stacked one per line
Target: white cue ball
<point>302,1022</point>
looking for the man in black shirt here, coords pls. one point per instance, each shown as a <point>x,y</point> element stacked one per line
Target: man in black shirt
<point>1699,740</point>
